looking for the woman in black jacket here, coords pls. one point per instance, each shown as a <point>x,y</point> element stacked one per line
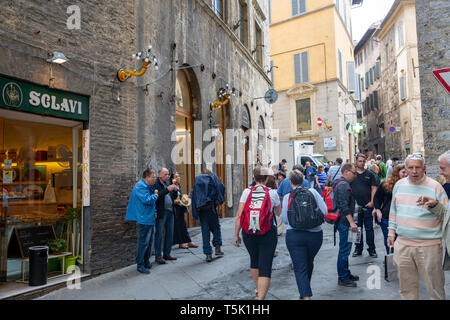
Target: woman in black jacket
<point>383,197</point>
<point>180,233</point>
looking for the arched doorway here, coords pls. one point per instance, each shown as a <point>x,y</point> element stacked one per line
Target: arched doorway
<point>245,126</point>
<point>185,134</point>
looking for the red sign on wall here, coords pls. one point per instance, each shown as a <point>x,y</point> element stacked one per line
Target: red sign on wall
<point>443,76</point>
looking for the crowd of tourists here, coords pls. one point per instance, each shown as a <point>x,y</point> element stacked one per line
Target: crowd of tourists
<point>411,209</point>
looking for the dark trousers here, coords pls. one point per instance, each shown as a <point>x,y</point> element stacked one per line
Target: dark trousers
<point>146,234</point>
<point>164,224</point>
<point>261,248</point>
<point>209,221</point>
<point>180,232</point>
<point>365,219</point>
<point>344,251</point>
<point>303,247</point>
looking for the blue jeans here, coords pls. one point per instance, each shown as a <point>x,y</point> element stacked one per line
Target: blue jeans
<point>344,251</point>
<point>365,218</point>
<point>164,223</point>
<point>303,247</point>
<point>209,221</point>
<point>146,234</point>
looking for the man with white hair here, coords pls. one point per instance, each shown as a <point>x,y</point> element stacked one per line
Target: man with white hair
<point>444,166</point>
<point>418,249</point>
<point>442,212</point>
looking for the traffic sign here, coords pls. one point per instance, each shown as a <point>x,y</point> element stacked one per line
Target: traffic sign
<point>392,129</point>
<point>443,76</point>
<point>319,121</point>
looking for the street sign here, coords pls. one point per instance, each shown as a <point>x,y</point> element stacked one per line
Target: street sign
<point>319,121</point>
<point>443,76</point>
<point>392,129</point>
<point>271,96</point>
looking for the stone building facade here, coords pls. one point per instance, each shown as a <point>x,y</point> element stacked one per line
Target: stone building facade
<point>200,49</point>
<point>432,21</point>
<point>400,80</point>
<point>368,69</point>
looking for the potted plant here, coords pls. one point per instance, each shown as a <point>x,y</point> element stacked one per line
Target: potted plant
<point>57,246</point>
<point>72,216</point>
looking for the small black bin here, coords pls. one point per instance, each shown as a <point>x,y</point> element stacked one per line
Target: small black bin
<point>38,265</point>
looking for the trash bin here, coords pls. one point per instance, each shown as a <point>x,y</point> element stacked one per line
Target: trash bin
<point>38,265</point>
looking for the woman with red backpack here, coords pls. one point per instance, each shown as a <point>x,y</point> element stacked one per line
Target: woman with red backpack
<point>259,230</point>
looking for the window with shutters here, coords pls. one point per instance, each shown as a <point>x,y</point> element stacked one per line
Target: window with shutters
<point>345,13</point>
<point>351,82</point>
<point>298,7</point>
<point>367,79</point>
<point>371,102</point>
<point>259,45</point>
<point>338,5</point>
<point>303,111</point>
<point>362,84</point>
<point>377,69</point>
<point>301,67</point>
<point>400,35</point>
<point>243,22</point>
<point>375,99</point>
<point>340,64</point>
<point>270,11</point>
<point>402,88</point>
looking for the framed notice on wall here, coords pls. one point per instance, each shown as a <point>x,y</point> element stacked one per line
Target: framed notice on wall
<point>329,144</point>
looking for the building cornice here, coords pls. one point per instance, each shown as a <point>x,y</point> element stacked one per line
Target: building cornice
<point>391,17</point>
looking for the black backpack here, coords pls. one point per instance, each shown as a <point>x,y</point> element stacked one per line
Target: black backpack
<point>303,211</point>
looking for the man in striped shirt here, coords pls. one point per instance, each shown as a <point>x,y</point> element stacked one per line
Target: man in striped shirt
<point>418,248</point>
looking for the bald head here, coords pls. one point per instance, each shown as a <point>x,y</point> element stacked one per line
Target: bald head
<point>163,174</point>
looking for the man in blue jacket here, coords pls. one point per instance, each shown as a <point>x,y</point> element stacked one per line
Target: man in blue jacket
<point>208,191</point>
<point>141,208</point>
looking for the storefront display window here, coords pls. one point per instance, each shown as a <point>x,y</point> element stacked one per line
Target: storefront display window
<point>38,184</point>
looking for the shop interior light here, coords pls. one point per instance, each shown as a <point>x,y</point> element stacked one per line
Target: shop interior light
<point>58,57</point>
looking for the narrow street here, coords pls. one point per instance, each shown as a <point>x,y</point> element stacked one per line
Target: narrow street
<point>228,278</point>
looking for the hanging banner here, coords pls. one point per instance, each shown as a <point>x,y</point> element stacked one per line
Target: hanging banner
<point>86,170</point>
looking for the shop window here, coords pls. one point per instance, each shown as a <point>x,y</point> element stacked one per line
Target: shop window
<point>303,111</point>
<point>38,183</point>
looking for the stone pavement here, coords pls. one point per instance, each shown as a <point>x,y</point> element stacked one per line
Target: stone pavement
<point>228,278</point>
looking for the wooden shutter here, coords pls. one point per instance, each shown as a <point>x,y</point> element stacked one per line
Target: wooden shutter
<point>367,79</point>
<point>295,7</point>
<point>377,69</point>
<point>351,82</point>
<point>305,66</point>
<point>340,64</point>
<point>297,68</point>
<point>375,99</point>
<point>358,87</point>
<point>402,88</point>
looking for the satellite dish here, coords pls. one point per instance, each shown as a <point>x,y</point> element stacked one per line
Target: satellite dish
<point>271,96</point>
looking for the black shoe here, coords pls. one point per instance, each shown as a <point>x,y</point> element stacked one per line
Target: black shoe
<point>143,270</point>
<point>353,278</point>
<point>218,252</point>
<point>209,258</point>
<point>347,283</point>
<point>356,254</point>
<point>373,255</point>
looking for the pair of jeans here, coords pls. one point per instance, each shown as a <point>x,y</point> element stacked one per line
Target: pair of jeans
<point>164,224</point>
<point>365,219</point>
<point>303,247</point>
<point>344,251</point>
<point>209,221</point>
<point>146,234</point>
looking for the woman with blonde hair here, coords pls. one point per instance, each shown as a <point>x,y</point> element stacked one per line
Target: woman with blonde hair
<point>383,197</point>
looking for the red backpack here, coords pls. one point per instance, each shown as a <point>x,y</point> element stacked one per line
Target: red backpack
<point>257,215</point>
<point>332,216</point>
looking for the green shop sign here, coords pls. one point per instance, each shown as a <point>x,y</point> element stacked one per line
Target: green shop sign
<point>24,96</point>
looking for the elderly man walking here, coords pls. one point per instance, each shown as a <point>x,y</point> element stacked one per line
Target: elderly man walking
<point>418,249</point>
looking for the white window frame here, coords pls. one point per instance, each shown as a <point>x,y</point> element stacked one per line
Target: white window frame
<point>298,4</point>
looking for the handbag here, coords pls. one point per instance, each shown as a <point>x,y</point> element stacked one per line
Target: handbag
<point>390,270</point>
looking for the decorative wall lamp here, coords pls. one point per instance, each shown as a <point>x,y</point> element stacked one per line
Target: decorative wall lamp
<point>58,57</point>
<point>223,96</point>
<point>146,59</point>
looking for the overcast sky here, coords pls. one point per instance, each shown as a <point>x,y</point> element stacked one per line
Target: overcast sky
<point>368,13</point>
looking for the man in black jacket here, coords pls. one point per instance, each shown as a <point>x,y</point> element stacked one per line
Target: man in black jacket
<point>345,205</point>
<point>164,216</point>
